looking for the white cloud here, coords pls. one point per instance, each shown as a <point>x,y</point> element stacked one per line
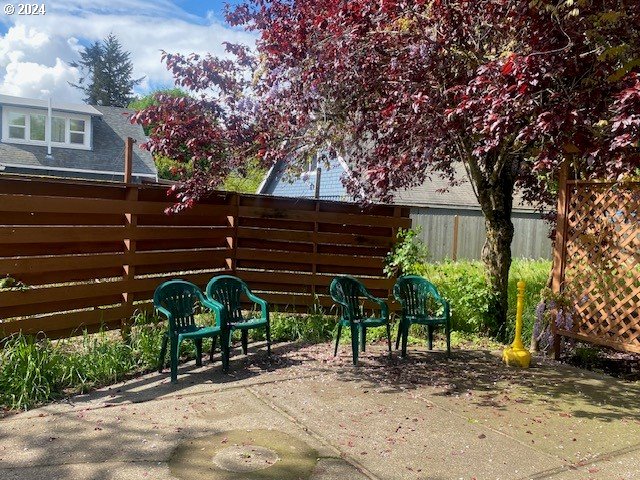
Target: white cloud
<point>36,51</point>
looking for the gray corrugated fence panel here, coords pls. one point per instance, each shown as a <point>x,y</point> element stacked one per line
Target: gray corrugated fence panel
<point>471,235</point>
<point>437,230</point>
<point>530,239</point>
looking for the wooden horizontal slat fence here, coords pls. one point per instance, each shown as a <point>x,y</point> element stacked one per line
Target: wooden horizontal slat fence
<point>597,262</point>
<point>91,254</point>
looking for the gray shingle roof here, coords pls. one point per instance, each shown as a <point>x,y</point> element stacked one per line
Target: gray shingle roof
<point>107,155</point>
<point>429,194</point>
<point>55,105</point>
<point>280,184</point>
<point>426,195</point>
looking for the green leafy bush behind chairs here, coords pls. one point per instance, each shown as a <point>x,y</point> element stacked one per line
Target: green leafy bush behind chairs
<point>347,292</point>
<point>421,304</point>
<point>225,293</point>
<point>179,301</point>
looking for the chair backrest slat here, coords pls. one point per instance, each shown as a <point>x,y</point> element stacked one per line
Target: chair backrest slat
<point>417,295</point>
<point>228,290</point>
<point>346,291</point>
<point>182,300</point>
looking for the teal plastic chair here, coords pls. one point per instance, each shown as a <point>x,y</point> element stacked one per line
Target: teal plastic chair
<point>178,301</point>
<point>347,293</point>
<point>421,304</point>
<point>225,294</point>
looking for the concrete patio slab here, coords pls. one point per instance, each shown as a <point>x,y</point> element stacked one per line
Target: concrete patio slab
<point>424,417</point>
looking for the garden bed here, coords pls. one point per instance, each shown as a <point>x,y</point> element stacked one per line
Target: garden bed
<point>623,365</point>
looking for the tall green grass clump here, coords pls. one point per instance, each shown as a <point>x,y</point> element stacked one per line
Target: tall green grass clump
<point>31,372</point>
<point>312,328</point>
<point>98,359</point>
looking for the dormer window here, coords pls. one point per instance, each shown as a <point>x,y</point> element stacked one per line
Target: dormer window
<point>29,126</point>
<point>17,126</point>
<point>76,131</point>
<point>37,127</point>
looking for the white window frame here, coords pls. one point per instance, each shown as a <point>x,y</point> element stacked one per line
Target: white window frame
<point>24,128</point>
<point>68,116</point>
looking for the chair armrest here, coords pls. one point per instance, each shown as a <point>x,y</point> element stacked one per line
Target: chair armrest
<point>264,306</point>
<point>163,311</point>
<point>167,314</point>
<point>216,306</point>
<point>383,304</point>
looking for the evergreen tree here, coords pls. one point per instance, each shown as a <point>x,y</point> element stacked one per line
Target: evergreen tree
<point>107,70</point>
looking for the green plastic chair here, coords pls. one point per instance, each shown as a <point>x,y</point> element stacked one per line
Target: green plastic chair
<point>178,300</point>
<point>346,292</point>
<point>225,294</point>
<point>421,304</point>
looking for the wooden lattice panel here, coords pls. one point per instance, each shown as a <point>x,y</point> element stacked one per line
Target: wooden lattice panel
<point>602,263</point>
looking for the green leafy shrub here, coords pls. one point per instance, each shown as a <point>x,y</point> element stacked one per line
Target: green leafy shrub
<point>464,285</point>
<point>169,169</point>
<point>246,181</point>
<point>408,255</point>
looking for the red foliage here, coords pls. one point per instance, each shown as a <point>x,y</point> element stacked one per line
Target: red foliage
<point>410,88</point>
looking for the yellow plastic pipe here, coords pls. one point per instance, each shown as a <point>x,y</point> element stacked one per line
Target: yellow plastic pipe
<point>516,355</point>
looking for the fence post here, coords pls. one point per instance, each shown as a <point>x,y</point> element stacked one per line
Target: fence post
<point>560,245</point>
<point>232,241</point>
<point>454,247</point>
<point>314,265</point>
<point>131,223</point>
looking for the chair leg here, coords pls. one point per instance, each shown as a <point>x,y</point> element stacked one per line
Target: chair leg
<point>268,335</point>
<point>213,347</point>
<point>354,342</point>
<point>163,353</point>
<point>175,349</point>
<point>198,342</point>
<point>245,341</point>
<point>335,350</point>
<point>399,334</point>
<point>405,337</point>
<point>389,336</point>
<point>363,338</point>
<point>224,346</point>
<point>448,335</point>
<point>430,332</point>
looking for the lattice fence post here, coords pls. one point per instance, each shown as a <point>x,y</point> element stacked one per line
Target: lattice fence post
<point>560,246</point>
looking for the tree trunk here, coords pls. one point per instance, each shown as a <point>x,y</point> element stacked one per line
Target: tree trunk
<point>494,188</point>
<point>496,255</point>
<point>494,181</point>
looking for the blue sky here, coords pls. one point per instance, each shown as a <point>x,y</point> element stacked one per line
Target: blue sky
<point>36,50</point>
